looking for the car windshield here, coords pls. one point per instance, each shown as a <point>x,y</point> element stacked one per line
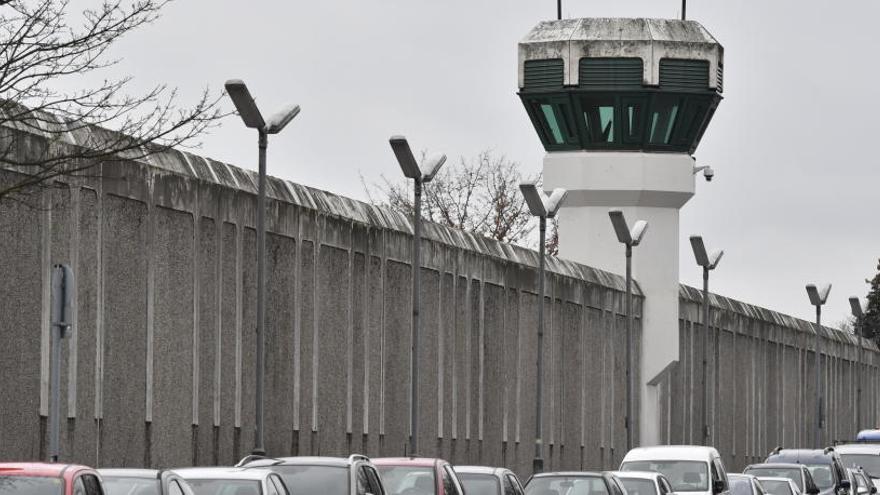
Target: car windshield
<point>869,462</point>
<point>225,487</point>
<point>29,485</point>
<point>794,474</point>
<point>821,475</point>
<point>684,476</point>
<point>776,487</point>
<point>325,480</point>
<point>740,486</point>
<point>480,484</point>
<point>636,486</point>
<point>131,486</point>
<point>567,485</point>
<point>406,480</point>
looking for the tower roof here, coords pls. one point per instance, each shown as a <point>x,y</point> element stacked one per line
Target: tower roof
<point>648,39</point>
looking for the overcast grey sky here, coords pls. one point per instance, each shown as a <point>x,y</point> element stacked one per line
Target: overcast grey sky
<point>793,143</point>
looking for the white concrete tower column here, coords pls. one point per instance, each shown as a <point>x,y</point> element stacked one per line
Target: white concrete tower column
<point>620,106</point>
<point>646,186</point>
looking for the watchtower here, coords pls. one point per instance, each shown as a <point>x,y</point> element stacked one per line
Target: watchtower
<point>620,106</point>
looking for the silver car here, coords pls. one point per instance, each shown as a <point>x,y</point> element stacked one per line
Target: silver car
<point>143,482</point>
<point>482,480</point>
<point>233,481</point>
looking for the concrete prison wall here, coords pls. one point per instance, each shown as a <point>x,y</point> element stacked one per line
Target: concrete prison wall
<point>160,369</point>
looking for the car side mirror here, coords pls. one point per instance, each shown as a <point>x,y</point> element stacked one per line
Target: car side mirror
<point>813,490</point>
<point>873,489</point>
<point>718,487</point>
<point>844,484</point>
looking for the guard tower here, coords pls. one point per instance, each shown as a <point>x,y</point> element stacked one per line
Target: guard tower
<point>620,106</point>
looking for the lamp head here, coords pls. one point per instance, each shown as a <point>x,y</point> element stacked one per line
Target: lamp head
<point>281,118</point>
<point>430,168</point>
<point>554,202</point>
<point>245,104</point>
<point>620,227</point>
<point>856,305</point>
<point>405,158</point>
<point>638,232</point>
<point>715,258</point>
<point>534,198</point>
<point>818,296</point>
<point>700,253</point>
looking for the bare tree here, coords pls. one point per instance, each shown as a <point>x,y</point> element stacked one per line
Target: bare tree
<point>479,195</point>
<point>45,45</point>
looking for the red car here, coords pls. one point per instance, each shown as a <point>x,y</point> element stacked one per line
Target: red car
<point>417,476</point>
<point>36,478</point>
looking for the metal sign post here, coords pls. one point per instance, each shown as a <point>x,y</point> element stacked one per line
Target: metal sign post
<point>62,297</point>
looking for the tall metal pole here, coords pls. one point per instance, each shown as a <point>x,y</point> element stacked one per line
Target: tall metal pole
<point>706,436</point>
<point>416,298</point>
<point>684,9</point>
<point>538,462</point>
<point>261,295</point>
<point>818,439</point>
<point>558,9</point>
<point>629,325</point>
<point>859,377</point>
<point>62,295</point>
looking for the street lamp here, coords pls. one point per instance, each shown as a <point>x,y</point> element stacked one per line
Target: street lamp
<point>708,261</point>
<point>859,315</point>
<point>250,114</point>
<point>630,238</point>
<point>818,298</point>
<point>419,175</point>
<point>543,207</point>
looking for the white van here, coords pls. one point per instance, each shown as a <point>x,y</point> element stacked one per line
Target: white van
<point>690,469</point>
<point>863,455</point>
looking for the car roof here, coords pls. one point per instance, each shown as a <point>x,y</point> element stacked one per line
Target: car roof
<point>741,475</point>
<point>671,453</point>
<point>642,475</point>
<point>858,448</point>
<point>37,469</point>
<point>569,474</point>
<point>803,456</point>
<point>223,473</point>
<point>407,461</point>
<point>130,473</point>
<point>495,471</point>
<point>299,461</point>
<point>788,465</point>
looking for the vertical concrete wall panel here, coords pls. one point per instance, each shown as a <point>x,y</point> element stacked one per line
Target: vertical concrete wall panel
<point>125,333</point>
<point>208,289</point>
<point>333,323</point>
<point>229,303</point>
<point>171,429</point>
<point>396,344</point>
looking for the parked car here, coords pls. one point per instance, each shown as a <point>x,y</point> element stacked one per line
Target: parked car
<point>689,468</point>
<point>352,475</point>
<point>644,483</point>
<point>37,478</point>
<point>744,484</point>
<point>574,483</point>
<point>798,473</point>
<point>418,476</point>
<point>777,485</point>
<point>233,481</point>
<point>865,454</point>
<point>825,466</point>
<point>143,482</point>
<point>481,480</point>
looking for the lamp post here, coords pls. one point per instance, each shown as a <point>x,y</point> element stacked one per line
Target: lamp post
<point>630,238</point>
<point>543,207</point>
<point>859,315</point>
<point>708,261</point>
<point>250,114</point>
<point>419,175</point>
<point>818,298</point>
